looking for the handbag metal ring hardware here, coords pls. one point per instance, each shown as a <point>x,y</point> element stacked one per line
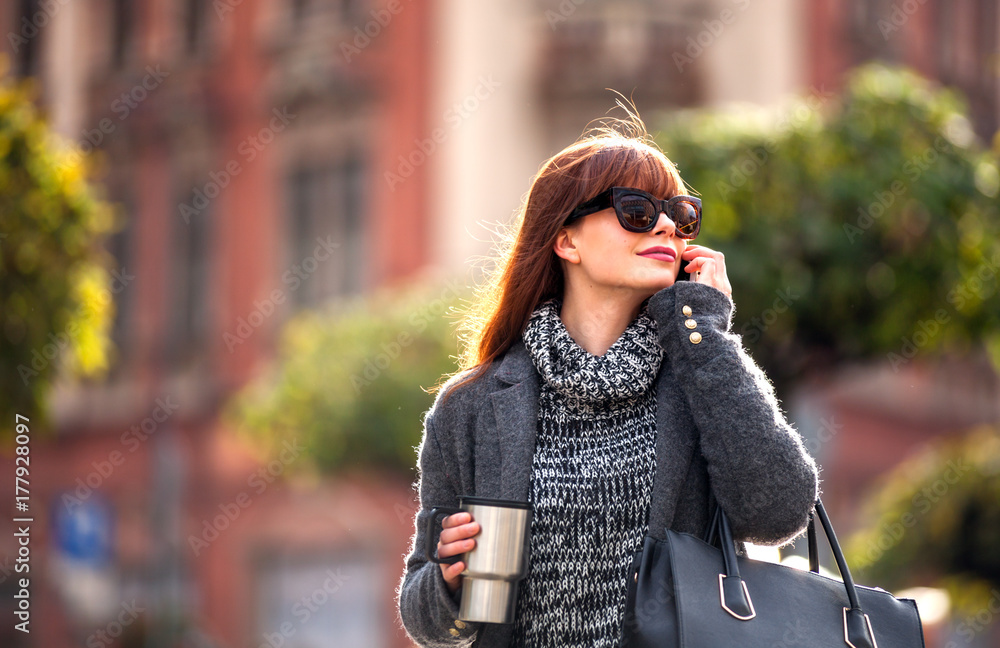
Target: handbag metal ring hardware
<point>871,633</point>
<point>753,613</point>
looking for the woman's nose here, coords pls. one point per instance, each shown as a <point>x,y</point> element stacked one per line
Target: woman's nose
<point>664,224</point>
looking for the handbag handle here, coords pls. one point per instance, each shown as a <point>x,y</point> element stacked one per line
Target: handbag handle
<point>735,597</point>
<point>811,538</point>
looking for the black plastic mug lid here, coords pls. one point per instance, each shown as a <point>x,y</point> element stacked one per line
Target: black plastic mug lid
<point>489,501</point>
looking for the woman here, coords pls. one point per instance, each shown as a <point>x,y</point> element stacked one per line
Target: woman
<point>608,393</point>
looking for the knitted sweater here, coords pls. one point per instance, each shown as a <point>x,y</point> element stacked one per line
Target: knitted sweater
<point>592,474</point>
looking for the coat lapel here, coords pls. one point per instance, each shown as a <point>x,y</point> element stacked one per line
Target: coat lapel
<point>676,442</point>
<point>516,411</point>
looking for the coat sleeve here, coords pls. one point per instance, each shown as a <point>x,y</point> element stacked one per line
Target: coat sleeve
<point>760,472</point>
<point>428,610</point>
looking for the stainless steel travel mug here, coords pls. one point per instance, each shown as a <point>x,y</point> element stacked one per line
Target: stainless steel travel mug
<point>498,562</point>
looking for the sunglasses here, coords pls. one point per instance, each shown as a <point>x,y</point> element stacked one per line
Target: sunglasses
<point>639,211</point>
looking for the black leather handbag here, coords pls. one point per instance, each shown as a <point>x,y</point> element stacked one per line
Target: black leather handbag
<point>690,592</point>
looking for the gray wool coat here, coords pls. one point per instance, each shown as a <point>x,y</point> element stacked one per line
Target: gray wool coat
<point>718,423</point>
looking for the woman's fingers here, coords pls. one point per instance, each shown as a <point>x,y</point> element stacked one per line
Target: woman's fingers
<point>708,266</point>
<point>456,538</point>
<point>453,575</point>
<point>448,549</point>
<point>699,254</point>
<point>458,527</point>
<point>455,519</point>
<point>454,570</point>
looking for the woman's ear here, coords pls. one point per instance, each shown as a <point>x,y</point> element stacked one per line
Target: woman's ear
<point>565,246</point>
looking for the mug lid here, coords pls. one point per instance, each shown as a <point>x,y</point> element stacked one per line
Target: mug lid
<point>489,501</point>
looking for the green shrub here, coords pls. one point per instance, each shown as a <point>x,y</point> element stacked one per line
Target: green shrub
<point>349,383</point>
<point>935,520</point>
<point>864,226</point>
<point>55,302</point>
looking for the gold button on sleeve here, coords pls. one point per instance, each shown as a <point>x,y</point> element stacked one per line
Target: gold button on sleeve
<point>454,632</point>
<point>690,323</point>
<point>687,311</point>
<point>695,337</point>
<point>459,624</point>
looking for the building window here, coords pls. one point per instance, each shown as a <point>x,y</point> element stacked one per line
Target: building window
<point>967,59</point>
<point>595,48</point>
<point>121,245</point>
<point>188,278</point>
<point>326,255</point>
<point>193,25</point>
<point>24,39</point>
<point>353,12</point>
<point>336,602</point>
<point>121,31</point>
<point>348,12</point>
<point>196,30</point>
<point>299,9</point>
<point>961,36</point>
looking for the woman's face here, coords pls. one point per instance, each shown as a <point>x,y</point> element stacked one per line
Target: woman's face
<point>601,253</point>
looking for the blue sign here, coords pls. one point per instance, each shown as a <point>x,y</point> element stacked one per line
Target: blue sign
<point>84,532</point>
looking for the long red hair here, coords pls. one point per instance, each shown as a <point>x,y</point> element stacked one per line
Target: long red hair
<point>527,270</point>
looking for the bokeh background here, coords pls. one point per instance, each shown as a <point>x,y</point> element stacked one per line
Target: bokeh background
<point>236,237</point>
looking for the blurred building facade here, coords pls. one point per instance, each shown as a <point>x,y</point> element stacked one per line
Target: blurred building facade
<point>272,155</point>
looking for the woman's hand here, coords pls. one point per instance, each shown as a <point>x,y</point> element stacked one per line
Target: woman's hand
<point>456,537</point>
<point>707,266</point>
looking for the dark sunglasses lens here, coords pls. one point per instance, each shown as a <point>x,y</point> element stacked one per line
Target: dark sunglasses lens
<point>686,218</point>
<point>637,212</point>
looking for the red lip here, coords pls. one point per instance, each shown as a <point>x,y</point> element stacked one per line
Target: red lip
<point>661,253</point>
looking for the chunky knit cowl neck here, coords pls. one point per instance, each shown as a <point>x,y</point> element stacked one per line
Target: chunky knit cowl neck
<point>626,371</point>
